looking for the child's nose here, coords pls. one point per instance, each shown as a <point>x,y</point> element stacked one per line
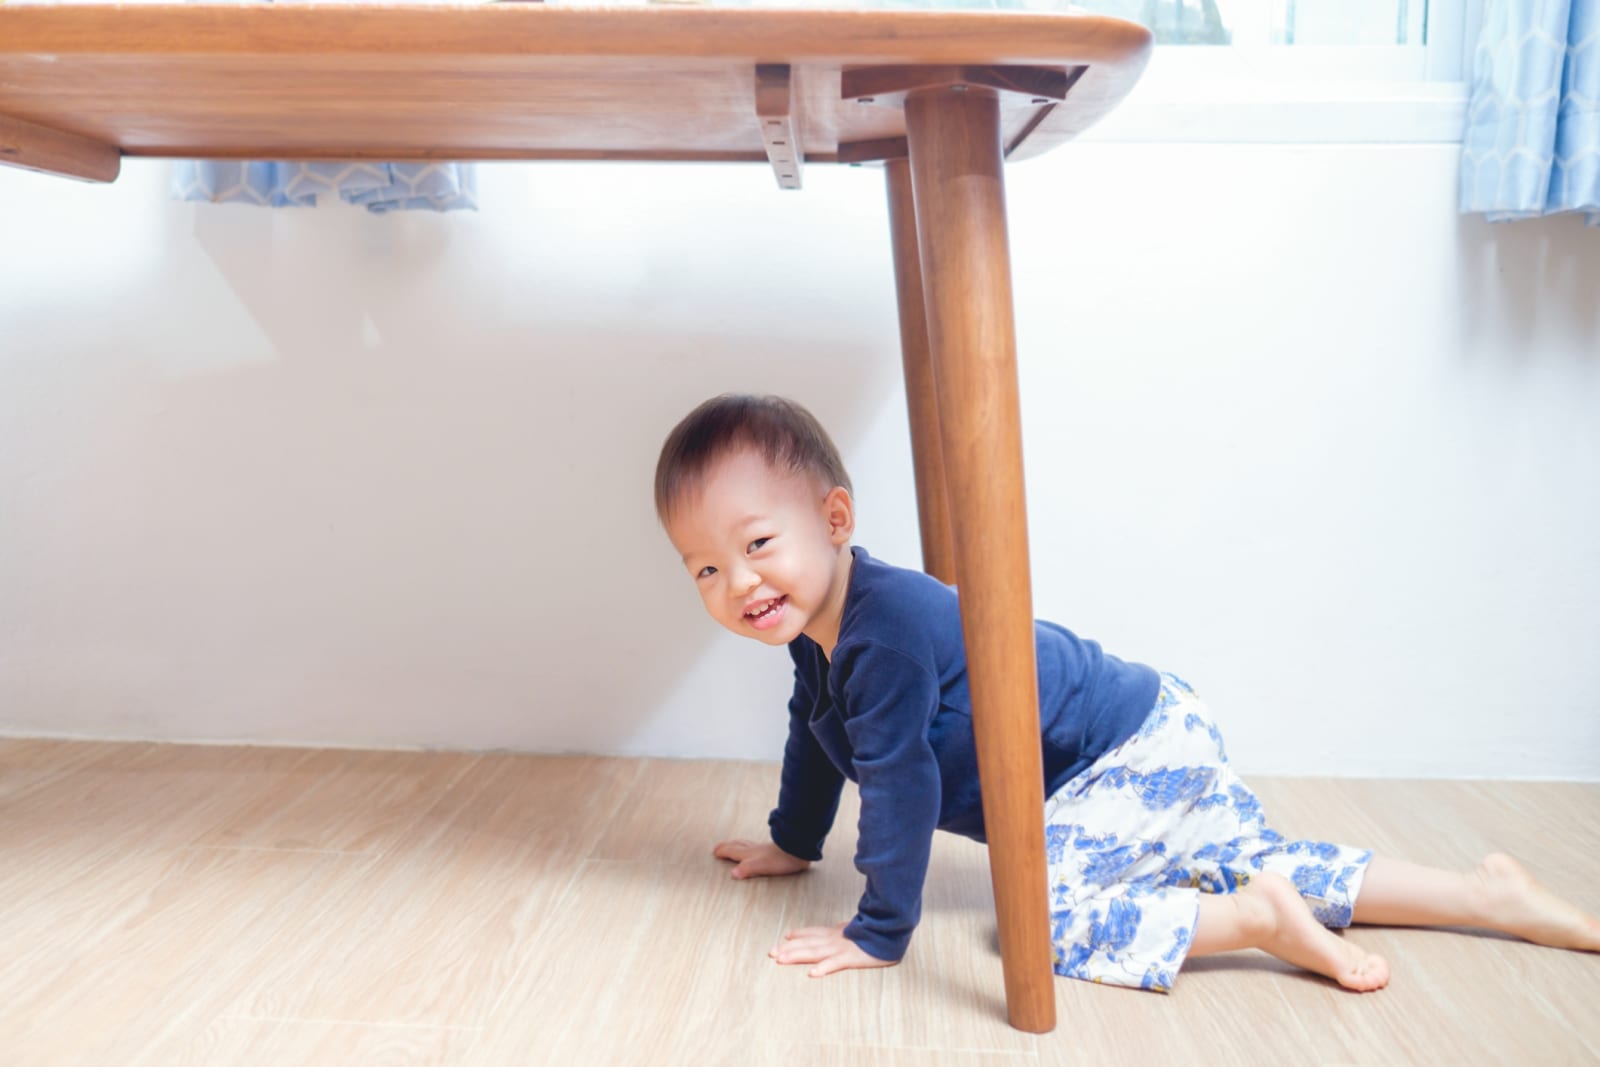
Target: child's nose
<point>746,581</point>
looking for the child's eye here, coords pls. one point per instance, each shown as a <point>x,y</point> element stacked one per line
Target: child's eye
<point>706,572</point>
<point>757,543</point>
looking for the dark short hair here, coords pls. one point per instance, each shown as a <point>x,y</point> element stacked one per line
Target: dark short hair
<point>787,435</point>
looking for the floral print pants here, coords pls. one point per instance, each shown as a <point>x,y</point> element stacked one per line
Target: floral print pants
<point>1133,840</point>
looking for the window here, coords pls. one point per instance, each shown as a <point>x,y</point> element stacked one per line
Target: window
<point>1296,70</point>
<point>1273,70</point>
<point>1281,22</point>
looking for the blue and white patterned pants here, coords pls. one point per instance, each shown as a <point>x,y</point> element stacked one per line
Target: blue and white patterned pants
<point>1161,818</point>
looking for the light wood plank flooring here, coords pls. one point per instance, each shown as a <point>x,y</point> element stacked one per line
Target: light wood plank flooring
<point>167,904</point>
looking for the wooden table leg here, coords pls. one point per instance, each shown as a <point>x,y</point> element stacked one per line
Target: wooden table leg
<point>954,137</point>
<point>922,398</point>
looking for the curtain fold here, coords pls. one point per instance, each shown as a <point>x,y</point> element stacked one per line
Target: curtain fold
<point>380,187</point>
<point>1532,143</point>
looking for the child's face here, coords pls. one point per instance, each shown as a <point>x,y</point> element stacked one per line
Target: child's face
<point>766,550</point>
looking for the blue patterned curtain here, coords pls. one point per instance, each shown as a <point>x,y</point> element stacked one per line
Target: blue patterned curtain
<point>380,186</point>
<point>1532,145</point>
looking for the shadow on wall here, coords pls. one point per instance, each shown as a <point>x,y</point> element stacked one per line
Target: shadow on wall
<point>426,519</point>
<point>1533,279</point>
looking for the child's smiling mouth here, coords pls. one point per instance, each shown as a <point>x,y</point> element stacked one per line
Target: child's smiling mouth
<point>767,614</point>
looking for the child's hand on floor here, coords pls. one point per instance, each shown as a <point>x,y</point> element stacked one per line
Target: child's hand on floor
<point>828,948</point>
<point>758,859</point>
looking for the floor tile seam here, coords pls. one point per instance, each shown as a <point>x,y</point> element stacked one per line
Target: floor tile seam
<point>276,848</point>
<point>977,1050</point>
<point>401,831</point>
<point>390,1024</point>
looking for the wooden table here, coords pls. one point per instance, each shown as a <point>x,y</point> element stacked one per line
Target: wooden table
<point>942,99</point>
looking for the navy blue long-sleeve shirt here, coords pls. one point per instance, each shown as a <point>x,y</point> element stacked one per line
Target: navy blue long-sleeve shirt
<point>892,713</point>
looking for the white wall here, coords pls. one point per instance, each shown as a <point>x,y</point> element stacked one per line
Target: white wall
<point>1294,429</point>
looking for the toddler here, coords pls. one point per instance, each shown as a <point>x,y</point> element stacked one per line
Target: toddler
<point>1157,851</point>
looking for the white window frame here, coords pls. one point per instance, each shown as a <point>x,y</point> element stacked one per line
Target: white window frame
<point>1254,92</point>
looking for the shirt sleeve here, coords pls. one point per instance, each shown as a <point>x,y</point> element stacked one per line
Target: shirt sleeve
<point>808,791</point>
<point>890,701</point>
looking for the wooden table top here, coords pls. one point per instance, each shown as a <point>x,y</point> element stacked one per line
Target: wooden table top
<point>532,81</point>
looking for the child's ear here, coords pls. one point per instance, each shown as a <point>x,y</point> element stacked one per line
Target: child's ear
<point>840,511</point>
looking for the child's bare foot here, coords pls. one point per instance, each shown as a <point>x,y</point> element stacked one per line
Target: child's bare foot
<point>1268,914</point>
<point>1293,935</point>
<point>1515,903</point>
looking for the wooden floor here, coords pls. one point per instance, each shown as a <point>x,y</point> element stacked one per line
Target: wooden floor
<point>165,905</point>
